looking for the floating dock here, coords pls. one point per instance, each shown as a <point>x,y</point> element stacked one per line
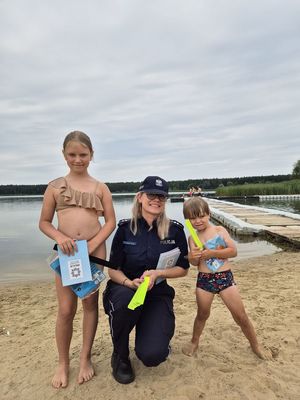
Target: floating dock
<point>257,197</point>
<point>282,226</point>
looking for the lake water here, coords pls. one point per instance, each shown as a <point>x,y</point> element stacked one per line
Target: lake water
<point>290,205</point>
<point>24,249</point>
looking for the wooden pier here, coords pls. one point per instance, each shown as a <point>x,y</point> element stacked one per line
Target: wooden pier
<point>247,220</point>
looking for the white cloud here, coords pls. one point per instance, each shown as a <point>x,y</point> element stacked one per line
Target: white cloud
<point>187,89</point>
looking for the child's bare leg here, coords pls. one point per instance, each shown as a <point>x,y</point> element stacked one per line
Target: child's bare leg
<point>204,300</point>
<point>67,304</point>
<point>233,301</point>
<point>90,322</point>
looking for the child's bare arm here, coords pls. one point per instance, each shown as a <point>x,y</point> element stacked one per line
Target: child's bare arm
<point>67,245</point>
<point>110,221</point>
<point>194,253</point>
<point>229,252</point>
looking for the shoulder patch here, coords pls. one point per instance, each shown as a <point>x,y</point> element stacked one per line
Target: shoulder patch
<point>176,223</point>
<point>123,222</point>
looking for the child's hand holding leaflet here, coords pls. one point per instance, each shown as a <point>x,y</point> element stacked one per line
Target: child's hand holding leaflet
<point>88,277</point>
<point>75,268</point>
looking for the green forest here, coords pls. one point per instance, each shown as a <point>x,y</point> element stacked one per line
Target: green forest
<point>175,186</point>
<point>275,188</point>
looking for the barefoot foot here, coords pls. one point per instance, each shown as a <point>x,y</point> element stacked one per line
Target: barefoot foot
<point>263,353</point>
<point>86,371</point>
<point>60,379</point>
<point>189,349</point>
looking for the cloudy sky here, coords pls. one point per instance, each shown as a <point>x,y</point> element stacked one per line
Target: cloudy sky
<point>181,89</point>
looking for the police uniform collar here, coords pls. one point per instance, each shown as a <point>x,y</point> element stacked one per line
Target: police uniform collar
<point>145,223</point>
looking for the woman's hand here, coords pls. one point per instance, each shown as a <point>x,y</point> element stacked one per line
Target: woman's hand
<point>153,275</point>
<point>66,244</point>
<point>136,282</point>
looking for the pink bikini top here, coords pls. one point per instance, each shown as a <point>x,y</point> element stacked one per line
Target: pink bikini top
<point>69,197</point>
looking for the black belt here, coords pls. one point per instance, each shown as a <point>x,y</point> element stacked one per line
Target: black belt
<point>96,260</point>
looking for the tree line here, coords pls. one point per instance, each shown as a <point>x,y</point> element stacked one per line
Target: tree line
<point>175,186</point>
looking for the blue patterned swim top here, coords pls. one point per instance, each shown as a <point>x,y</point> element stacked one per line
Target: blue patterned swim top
<point>217,242</point>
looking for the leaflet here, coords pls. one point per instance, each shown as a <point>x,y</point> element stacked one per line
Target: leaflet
<point>75,268</point>
<point>167,260</point>
<point>84,289</point>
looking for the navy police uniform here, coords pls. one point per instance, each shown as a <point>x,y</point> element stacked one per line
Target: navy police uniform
<point>154,320</point>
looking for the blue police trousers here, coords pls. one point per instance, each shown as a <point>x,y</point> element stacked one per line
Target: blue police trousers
<point>154,321</point>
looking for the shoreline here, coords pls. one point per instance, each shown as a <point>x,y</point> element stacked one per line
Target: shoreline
<point>224,366</point>
<point>27,272</point>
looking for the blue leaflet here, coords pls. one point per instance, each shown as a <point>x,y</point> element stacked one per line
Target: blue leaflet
<point>84,289</point>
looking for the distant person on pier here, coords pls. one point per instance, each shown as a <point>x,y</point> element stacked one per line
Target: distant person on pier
<point>197,191</point>
<point>191,191</point>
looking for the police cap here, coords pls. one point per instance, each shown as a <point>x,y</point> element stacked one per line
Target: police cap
<point>155,185</point>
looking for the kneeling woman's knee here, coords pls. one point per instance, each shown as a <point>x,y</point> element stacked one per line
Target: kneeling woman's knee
<point>152,357</point>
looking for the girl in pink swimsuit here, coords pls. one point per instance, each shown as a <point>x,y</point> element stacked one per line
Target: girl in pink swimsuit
<point>79,200</point>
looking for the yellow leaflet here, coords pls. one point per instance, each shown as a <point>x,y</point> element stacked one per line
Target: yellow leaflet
<point>194,235</point>
<point>139,296</point>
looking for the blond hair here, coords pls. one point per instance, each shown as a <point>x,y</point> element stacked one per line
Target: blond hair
<point>195,207</point>
<point>163,222</point>
<point>81,137</point>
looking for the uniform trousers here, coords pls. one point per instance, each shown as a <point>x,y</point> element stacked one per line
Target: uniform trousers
<point>154,322</point>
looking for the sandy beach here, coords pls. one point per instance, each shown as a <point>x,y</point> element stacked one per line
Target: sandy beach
<point>223,368</point>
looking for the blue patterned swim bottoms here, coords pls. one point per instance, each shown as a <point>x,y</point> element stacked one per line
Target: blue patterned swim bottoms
<point>215,282</point>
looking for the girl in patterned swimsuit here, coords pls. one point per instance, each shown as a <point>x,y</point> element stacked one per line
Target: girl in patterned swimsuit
<point>79,201</point>
<point>215,276</point>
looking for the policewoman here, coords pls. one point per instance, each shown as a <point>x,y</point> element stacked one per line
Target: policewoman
<point>136,247</point>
